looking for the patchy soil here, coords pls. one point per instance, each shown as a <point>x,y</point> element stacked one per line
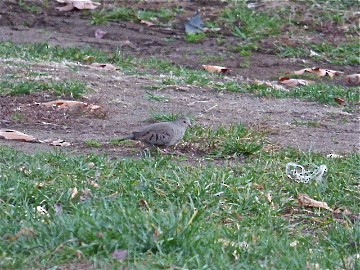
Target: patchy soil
<point>123,98</point>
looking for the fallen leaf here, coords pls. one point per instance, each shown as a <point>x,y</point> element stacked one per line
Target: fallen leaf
<point>42,211</point>
<point>273,84</point>
<point>258,186</point>
<point>104,66</point>
<point>79,4</point>
<point>74,192</point>
<point>9,134</point>
<point>269,197</point>
<point>93,107</point>
<point>63,104</point>
<point>60,142</point>
<point>99,34</point>
<point>342,211</point>
<point>305,200</point>
<point>94,184</point>
<point>144,204</point>
<point>353,79</point>
<point>147,23</point>
<point>294,82</point>
<point>120,254</point>
<point>340,100</point>
<point>320,72</point>
<point>22,232</point>
<point>215,69</point>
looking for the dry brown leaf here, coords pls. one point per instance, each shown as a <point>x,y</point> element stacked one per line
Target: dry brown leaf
<point>60,142</point>
<point>93,107</point>
<point>215,69</point>
<point>294,82</point>
<point>144,204</point>
<point>9,134</point>
<point>320,72</point>
<point>63,104</point>
<point>74,192</point>
<point>342,211</point>
<point>94,184</point>
<point>103,66</point>
<point>353,79</point>
<point>99,34</point>
<point>147,23</point>
<point>340,101</point>
<point>23,231</point>
<point>269,197</point>
<point>305,200</point>
<point>258,186</point>
<point>79,4</point>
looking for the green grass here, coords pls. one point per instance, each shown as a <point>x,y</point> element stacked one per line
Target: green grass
<point>32,8</point>
<point>195,38</point>
<point>225,142</point>
<point>174,215</point>
<point>154,97</point>
<point>93,143</point>
<point>129,14</point>
<point>172,74</point>
<point>250,26</point>
<point>164,117</point>
<point>320,92</point>
<point>66,88</point>
<point>342,54</point>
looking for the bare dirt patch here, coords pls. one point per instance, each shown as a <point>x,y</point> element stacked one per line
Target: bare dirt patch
<point>123,98</point>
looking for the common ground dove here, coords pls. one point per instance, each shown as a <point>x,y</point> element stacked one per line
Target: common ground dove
<point>161,134</point>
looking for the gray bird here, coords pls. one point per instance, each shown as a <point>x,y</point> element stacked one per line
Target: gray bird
<point>161,134</point>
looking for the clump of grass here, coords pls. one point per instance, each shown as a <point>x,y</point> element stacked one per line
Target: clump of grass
<point>71,88</point>
<point>321,92</point>
<point>250,26</point>
<point>339,54</point>
<point>235,140</point>
<point>31,7</point>
<point>164,117</point>
<point>154,97</point>
<point>93,143</point>
<point>129,14</point>
<point>195,38</point>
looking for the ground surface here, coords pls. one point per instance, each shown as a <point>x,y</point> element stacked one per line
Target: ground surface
<point>123,96</point>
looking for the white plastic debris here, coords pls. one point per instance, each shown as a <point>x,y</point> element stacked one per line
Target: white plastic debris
<point>306,173</point>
